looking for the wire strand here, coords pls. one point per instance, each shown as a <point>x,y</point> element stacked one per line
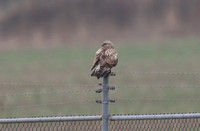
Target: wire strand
<point>158,99</point>
<point>160,86</point>
<point>45,85</point>
<point>47,93</point>
<point>93,90</point>
<point>159,73</point>
<point>41,105</point>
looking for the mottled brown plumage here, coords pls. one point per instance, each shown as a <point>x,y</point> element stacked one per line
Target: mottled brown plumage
<point>106,57</point>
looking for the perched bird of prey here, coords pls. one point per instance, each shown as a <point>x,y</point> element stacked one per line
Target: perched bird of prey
<point>106,57</point>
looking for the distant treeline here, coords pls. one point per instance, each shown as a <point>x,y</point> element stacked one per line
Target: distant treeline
<point>75,16</point>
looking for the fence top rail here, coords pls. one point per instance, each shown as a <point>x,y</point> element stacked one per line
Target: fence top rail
<point>50,119</point>
<point>155,117</point>
<point>99,117</point>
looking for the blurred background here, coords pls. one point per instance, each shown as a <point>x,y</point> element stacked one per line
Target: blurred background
<point>47,48</point>
<point>53,23</point>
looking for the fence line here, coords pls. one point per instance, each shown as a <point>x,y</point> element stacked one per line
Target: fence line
<point>158,99</point>
<point>47,93</point>
<point>159,73</point>
<point>52,104</point>
<point>119,122</point>
<point>160,86</point>
<point>99,117</point>
<point>46,85</point>
<point>188,121</point>
<point>116,99</point>
<point>155,116</point>
<point>51,119</point>
<point>93,90</point>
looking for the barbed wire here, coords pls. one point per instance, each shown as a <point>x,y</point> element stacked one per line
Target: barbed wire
<point>158,73</point>
<point>47,93</point>
<point>160,86</point>
<point>158,99</point>
<point>46,85</point>
<point>51,104</point>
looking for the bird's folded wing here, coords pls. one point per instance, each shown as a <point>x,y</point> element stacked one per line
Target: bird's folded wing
<point>97,58</point>
<point>111,57</point>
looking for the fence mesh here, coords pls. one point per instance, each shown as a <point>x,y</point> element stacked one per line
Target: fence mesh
<point>170,124</point>
<point>53,126</point>
<point>156,125</point>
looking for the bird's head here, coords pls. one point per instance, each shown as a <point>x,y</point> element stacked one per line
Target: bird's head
<point>107,44</point>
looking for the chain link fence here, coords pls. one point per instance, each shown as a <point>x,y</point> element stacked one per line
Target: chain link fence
<point>191,124</point>
<point>53,126</point>
<point>68,123</point>
<point>105,121</point>
<point>169,122</point>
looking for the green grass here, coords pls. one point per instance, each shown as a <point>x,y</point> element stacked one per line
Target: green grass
<point>71,65</point>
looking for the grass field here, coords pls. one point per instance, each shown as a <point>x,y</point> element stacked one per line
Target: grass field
<point>71,64</point>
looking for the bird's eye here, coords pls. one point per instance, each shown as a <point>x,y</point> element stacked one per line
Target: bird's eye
<point>104,44</point>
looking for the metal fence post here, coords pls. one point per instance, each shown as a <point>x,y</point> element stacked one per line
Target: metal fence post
<point>105,104</point>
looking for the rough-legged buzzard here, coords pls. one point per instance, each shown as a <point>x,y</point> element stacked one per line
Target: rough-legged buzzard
<point>106,57</point>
